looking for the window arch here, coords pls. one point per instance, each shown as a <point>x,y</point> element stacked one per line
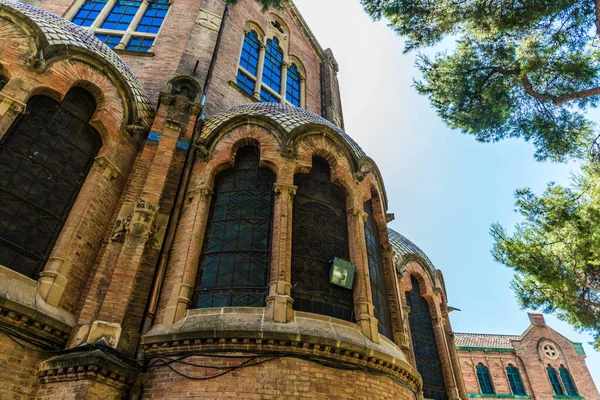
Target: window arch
<point>485,380</point>
<point>554,381</point>
<point>424,343</point>
<point>514,379</point>
<point>320,233</point>
<point>376,273</point>
<point>44,160</point>
<point>234,265</point>
<point>292,92</point>
<point>567,381</point>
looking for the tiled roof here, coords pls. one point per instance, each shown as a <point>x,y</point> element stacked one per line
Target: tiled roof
<point>287,116</point>
<point>484,340</point>
<point>62,33</point>
<point>402,246</point>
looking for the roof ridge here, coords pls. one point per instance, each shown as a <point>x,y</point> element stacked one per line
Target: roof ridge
<point>487,334</point>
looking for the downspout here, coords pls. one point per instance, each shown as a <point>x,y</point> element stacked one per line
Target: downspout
<point>180,196</point>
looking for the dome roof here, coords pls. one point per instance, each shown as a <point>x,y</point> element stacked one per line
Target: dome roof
<point>58,33</point>
<point>403,247</point>
<point>286,116</point>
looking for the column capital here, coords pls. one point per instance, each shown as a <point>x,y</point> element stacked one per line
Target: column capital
<point>358,214</point>
<point>280,189</point>
<point>204,192</point>
<point>10,106</point>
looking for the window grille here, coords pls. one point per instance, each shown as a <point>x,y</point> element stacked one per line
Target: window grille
<point>320,233</point>
<point>485,380</point>
<point>424,344</point>
<point>376,273</point>
<point>567,381</point>
<point>234,266</point>
<point>44,159</point>
<point>292,92</point>
<point>554,381</point>
<point>514,378</point>
<point>131,24</point>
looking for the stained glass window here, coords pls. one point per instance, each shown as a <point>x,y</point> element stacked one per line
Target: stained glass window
<point>153,17</point>
<point>121,15</point>
<point>554,381</point>
<point>140,44</point>
<point>273,65</point>
<point>376,273</point>
<point>424,344</point>
<point>3,81</point>
<point>567,381</point>
<point>234,266</point>
<point>292,93</point>
<point>514,378</point>
<point>320,233</point>
<point>485,380</point>
<point>249,61</point>
<point>89,12</point>
<point>44,159</point>
<point>111,40</point>
<point>268,97</point>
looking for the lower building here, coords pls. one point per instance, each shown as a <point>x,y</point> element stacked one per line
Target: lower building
<point>539,364</point>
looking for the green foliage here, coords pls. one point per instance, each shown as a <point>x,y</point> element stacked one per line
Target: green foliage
<point>523,69</point>
<point>555,252</point>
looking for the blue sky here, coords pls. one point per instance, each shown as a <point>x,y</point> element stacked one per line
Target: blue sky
<point>444,188</point>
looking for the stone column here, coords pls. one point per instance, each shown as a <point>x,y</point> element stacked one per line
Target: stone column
<point>442,345</point>
<point>259,73</point>
<point>279,300</point>
<point>394,302</point>
<point>460,382</point>
<point>100,18</point>
<point>363,304</point>
<point>283,89</point>
<point>130,29</point>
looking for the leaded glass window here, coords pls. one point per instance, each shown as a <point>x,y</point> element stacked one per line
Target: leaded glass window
<point>140,44</point>
<point>554,381</point>
<point>485,380</point>
<point>88,13</point>
<point>424,344</point>
<point>320,233</point>
<point>111,40</point>
<point>273,65</point>
<point>234,266</point>
<point>3,81</point>
<point>292,93</point>
<point>376,273</point>
<point>567,381</point>
<point>44,159</point>
<point>514,378</point>
<point>154,17</point>
<point>121,15</point>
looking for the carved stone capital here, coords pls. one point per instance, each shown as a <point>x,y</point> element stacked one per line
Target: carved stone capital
<point>357,213</point>
<point>363,172</point>
<point>388,250</point>
<point>280,189</point>
<point>204,192</point>
<point>110,170</point>
<point>11,107</point>
<point>135,130</point>
<point>288,150</point>
<point>195,108</point>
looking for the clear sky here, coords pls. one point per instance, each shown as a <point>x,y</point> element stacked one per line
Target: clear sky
<point>444,188</point>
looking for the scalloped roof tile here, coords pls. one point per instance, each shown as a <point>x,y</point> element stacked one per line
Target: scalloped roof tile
<point>60,32</point>
<point>287,116</point>
<point>485,340</point>
<point>402,246</point>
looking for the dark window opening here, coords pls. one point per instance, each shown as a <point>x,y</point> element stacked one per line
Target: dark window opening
<point>320,233</point>
<point>485,380</point>
<point>44,160</point>
<point>514,378</point>
<point>567,381</point>
<point>424,344</point>
<point>234,265</point>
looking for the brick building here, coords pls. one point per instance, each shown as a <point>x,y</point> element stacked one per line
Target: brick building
<point>182,215</point>
<point>538,364</point>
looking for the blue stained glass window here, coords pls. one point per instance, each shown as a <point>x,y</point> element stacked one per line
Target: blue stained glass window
<point>292,92</point>
<point>268,97</point>
<point>250,51</point>
<point>88,13</point>
<point>514,378</point>
<point>485,380</point>
<point>111,40</point>
<point>121,15</point>
<point>567,381</point>
<point>245,82</point>
<point>554,381</point>
<point>154,17</point>
<point>140,44</point>
<point>273,65</point>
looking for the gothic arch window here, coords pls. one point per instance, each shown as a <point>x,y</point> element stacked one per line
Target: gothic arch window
<point>294,83</point>
<point>567,381</point>
<point>320,233</point>
<point>515,381</point>
<point>271,88</point>
<point>234,265</point>
<point>248,71</point>
<point>376,273</point>
<point>44,160</point>
<point>485,380</point>
<point>424,343</point>
<point>124,24</point>
<point>554,381</point>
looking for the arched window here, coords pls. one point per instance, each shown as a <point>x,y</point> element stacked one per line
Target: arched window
<point>376,273</point>
<point>514,378</point>
<point>88,13</point>
<point>292,93</point>
<point>424,344</point>
<point>3,81</point>
<point>485,380</point>
<point>320,233</point>
<point>554,381</point>
<point>567,381</point>
<point>44,159</point>
<point>246,78</point>
<point>234,266</point>
<point>272,72</point>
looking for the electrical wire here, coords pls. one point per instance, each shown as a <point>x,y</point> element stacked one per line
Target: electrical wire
<point>13,335</point>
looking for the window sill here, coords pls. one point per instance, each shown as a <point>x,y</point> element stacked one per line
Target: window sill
<point>242,91</point>
<point>566,397</point>
<point>498,396</point>
<point>134,53</point>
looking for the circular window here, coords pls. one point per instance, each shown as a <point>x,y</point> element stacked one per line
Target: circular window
<point>550,351</point>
